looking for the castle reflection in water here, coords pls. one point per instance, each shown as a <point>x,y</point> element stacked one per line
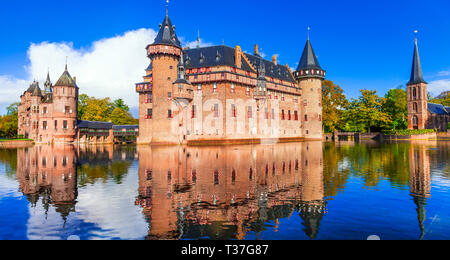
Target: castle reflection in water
<point>222,192</point>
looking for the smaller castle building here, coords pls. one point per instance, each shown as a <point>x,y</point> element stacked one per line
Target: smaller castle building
<point>50,116</point>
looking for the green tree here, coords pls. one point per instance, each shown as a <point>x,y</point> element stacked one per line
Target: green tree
<point>120,116</point>
<point>443,101</point>
<point>119,103</point>
<point>366,113</point>
<point>9,122</point>
<point>396,105</point>
<point>334,103</point>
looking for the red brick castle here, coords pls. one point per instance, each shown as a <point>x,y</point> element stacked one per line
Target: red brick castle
<point>220,94</point>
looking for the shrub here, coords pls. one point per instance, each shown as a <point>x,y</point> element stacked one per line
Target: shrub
<point>409,132</point>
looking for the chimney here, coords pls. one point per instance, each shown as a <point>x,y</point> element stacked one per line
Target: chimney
<point>238,57</point>
<point>256,49</point>
<point>274,59</point>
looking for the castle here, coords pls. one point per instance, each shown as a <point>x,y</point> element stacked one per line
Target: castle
<point>220,94</point>
<point>421,113</point>
<point>50,116</point>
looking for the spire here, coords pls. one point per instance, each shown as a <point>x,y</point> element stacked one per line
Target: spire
<point>421,202</point>
<point>181,72</point>
<point>309,58</point>
<point>167,35</point>
<point>198,39</point>
<point>48,83</point>
<point>416,71</point>
<point>66,80</point>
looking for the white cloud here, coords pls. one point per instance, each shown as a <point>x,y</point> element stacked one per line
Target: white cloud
<point>444,73</point>
<point>108,68</point>
<point>438,86</point>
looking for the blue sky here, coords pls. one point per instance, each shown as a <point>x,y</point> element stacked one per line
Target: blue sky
<point>362,44</point>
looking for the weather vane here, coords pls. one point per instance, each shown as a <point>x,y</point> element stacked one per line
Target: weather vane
<point>309,30</point>
<point>415,34</point>
<point>167,7</point>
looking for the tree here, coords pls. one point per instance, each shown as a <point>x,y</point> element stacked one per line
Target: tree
<point>443,101</point>
<point>366,112</point>
<point>334,103</point>
<point>396,106</point>
<point>120,116</point>
<point>103,110</point>
<point>12,109</point>
<point>119,103</point>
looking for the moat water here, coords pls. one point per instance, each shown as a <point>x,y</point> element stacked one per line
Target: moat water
<point>296,191</point>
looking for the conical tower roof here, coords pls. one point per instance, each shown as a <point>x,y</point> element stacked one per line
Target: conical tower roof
<point>416,72</point>
<point>309,59</point>
<point>37,91</point>
<point>32,87</point>
<point>167,35</point>
<point>66,80</point>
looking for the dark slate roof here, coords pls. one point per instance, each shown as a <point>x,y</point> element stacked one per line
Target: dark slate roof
<point>66,80</point>
<point>94,125</point>
<point>438,109</point>
<point>121,127</point>
<point>224,56</point>
<point>416,72</point>
<point>167,34</point>
<point>37,92</point>
<point>308,59</point>
<point>32,87</point>
<point>150,66</point>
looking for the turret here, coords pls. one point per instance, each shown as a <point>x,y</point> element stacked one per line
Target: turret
<point>65,108</point>
<point>182,87</point>
<point>310,76</point>
<point>417,94</point>
<point>261,88</point>
<point>156,94</point>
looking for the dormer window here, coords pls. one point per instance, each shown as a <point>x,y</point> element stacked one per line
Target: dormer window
<point>202,58</point>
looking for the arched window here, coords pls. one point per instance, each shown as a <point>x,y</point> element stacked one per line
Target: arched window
<point>414,107</point>
<point>414,93</point>
<point>415,121</point>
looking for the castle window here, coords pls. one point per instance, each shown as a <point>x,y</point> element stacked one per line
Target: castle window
<point>305,103</point>
<point>44,110</point>
<point>414,93</point>
<point>56,124</point>
<point>169,113</point>
<point>65,125</point>
<point>233,89</point>
<point>199,87</point>
<point>233,177</point>
<point>233,110</point>
<point>415,120</point>
<point>66,109</point>
<point>215,88</point>
<point>194,111</point>
<point>44,125</point>
<point>216,110</point>
<point>307,132</point>
<point>169,95</point>
<point>149,114</point>
<point>216,177</point>
<point>247,92</point>
<point>282,114</point>
<point>414,107</point>
<point>289,115</point>
<point>306,117</point>
<point>296,115</point>
<point>149,99</point>
<point>250,112</point>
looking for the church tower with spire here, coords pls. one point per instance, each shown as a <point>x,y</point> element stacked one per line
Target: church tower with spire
<point>156,94</point>
<point>310,76</point>
<point>417,94</point>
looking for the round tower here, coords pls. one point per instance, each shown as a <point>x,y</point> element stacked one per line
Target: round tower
<point>36,100</point>
<point>310,76</point>
<point>165,55</point>
<point>65,109</point>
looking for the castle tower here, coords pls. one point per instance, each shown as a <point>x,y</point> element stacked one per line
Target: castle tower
<point>36,98</point>
<point>164,54</point>
<point>417,94</point>
<point>65,109</point>
<point>310,76</point>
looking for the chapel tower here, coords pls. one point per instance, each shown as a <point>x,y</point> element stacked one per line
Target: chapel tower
<point>417,94</point>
